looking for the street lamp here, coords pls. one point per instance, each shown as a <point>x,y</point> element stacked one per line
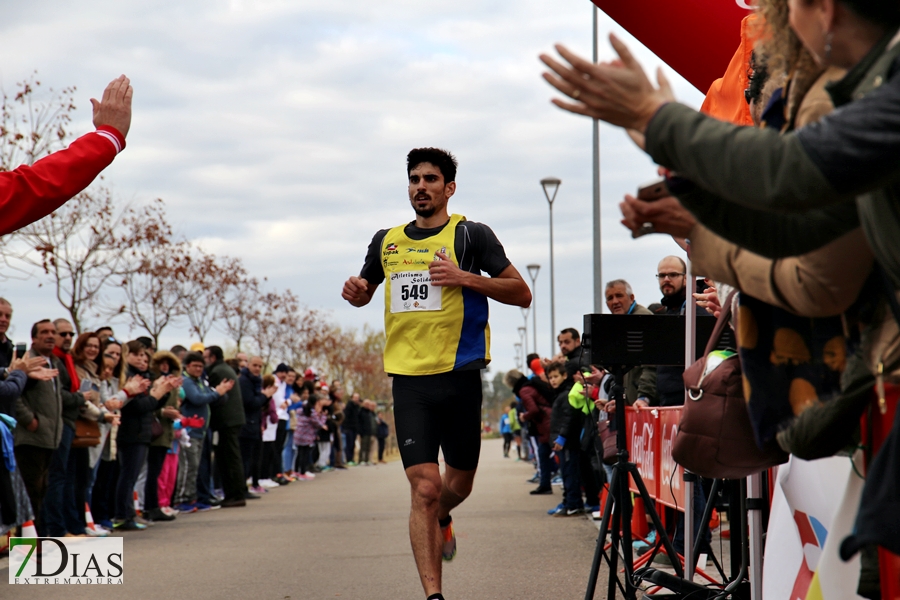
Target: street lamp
<point>533,273</point>
<point>551,186</point>
<point>525,322</point>
<point>518,347</point>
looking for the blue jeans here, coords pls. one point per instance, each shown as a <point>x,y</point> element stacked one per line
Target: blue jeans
<point>349,445</point>
<point>289,453</point>
<point>571,475</point>
<point>53,511</point>
<point>699,507</point>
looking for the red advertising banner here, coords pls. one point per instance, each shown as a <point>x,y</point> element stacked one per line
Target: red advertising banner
<point>697,38</point>
<point>671,474</point>
<point>643,434</point>
<point>651,434</point>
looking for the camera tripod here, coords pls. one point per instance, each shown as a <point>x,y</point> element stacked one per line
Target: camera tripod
<point>617,512</point>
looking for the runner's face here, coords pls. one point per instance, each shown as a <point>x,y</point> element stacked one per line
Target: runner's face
<point>428,193</point>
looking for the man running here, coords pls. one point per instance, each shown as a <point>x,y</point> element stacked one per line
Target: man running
<point>438,340</point>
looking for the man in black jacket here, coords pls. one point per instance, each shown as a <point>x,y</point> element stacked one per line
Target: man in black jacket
<point>254,398</point>
<point>672,277</point>
<point>350,427</point>
<point>227,418</point>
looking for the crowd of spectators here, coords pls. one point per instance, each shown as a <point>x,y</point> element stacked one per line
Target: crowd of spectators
<point>99,435</point>
<point>564,402</point>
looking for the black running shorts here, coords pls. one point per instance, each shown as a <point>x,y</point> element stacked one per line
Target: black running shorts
<point>439,411</point>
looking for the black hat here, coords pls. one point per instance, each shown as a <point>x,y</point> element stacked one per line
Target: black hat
<point>282,368</point>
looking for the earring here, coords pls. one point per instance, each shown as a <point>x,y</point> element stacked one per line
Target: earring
<point>828,39</point>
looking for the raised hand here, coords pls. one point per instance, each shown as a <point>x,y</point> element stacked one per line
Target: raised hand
<point>617,92</point>
<point>114,109</point>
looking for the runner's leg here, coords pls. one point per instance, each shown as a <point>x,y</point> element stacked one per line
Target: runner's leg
<point>424,532</point>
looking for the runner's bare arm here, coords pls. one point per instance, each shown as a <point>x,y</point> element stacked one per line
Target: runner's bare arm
<point>508,287</point>
<point>358,292</point>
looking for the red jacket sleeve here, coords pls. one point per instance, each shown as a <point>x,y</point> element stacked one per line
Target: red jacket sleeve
<point>29,193</point>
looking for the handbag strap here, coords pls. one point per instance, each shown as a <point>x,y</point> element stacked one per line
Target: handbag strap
<point>720,324</point>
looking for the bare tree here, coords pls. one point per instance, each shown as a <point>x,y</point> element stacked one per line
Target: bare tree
<point>31,128</point>
<point>208,278</point>
<point>273,323</point>
<point>89,243</point>
<point>154,291</point>
<point>239,306</point>
<point>32,125</point>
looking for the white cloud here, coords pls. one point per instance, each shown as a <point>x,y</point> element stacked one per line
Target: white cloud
<point>276,131</point>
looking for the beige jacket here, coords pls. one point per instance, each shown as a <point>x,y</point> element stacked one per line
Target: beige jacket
<point>821,283</point>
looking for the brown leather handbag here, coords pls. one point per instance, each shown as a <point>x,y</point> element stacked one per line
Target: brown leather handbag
<point>87,433</point>
<point>715,438</point>
<point>608,439</point>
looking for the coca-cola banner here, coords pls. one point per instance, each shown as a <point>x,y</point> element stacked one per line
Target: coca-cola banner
<point>651,434</point>
<point>696,38</point>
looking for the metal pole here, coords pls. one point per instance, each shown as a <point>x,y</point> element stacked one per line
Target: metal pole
<point>598,261</point>
<point>552,291</point>
<point>690,343</point>
<point>533,270</point>
<point>754,498</point>
<point>525,321</point>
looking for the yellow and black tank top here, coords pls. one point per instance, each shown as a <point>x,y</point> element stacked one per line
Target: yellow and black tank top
<point>429,329</point>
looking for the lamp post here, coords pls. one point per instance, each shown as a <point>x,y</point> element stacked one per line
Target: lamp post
<point>551,186</point>
<point>523,337</point>
<point>533,273</point>
<point>525,323</point>
<point>598,262</point>
<point>518,347</point>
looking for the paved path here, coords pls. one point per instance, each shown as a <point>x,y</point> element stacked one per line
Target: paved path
<point>345,535</point>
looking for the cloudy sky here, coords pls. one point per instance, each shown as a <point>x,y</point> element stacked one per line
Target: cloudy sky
<point>276,131</point>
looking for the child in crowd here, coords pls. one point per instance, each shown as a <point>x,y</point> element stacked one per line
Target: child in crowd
<point>310,420</point>
<point>565,431</point>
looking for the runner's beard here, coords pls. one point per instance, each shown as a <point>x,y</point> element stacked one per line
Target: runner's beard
<point>425,211</point>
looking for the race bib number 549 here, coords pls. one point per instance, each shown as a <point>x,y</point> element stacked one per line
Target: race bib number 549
<point>413,291</point>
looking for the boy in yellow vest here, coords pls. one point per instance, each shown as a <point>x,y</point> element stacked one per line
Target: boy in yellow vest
<point>437,342</point>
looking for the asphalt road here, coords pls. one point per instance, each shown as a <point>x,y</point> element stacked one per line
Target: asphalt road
<point>344,535</point>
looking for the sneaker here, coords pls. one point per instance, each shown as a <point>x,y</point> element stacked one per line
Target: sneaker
<point>259,490</point>
<point>590,508</point>
<point>268,483</point>
<point>641,547</point>
<point>205,507</point>
<point>541,491</point>
<point>130,525</point>
<point>556,509</point>
<point>327,468</point>
<point>107,525</point>
<point>535,479</point>
<point>142,521</point>
<point>281,480</point>
<point>186,508</point>
<point>662,559</point>
<point>449,549</point>
<point>158,515</point>
<point>351,464</point>
<point>569,512</point>
<point>168,510</point>
<point>309,476</point>
<point>556,480</point>
<point>96,532</point>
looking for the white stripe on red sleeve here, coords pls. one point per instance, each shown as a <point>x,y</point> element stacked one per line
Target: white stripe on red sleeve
<point>113,136</point>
